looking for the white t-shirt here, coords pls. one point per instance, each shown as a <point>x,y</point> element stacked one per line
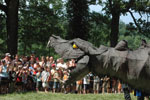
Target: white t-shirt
<point>45,76</point>
<point>60,65</point>
<point>86,79</point>
<point>96,79</point>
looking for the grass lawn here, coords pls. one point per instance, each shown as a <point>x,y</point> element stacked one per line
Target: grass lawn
<point>60,96</point>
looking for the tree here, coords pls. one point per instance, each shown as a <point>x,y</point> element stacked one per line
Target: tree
<point>99,29</point>
<point>115,8</point>
<point>132,35</point>
<point>11,11</point>
<point>78,14</point>
<point>141,7</point>
<point>37,21</point>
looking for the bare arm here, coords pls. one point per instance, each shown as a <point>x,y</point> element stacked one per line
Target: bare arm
<point>0,69</point>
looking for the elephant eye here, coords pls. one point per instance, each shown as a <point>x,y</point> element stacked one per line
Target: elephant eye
<point>75,46</point>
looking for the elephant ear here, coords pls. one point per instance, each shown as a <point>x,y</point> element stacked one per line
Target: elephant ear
<point>122,46</point>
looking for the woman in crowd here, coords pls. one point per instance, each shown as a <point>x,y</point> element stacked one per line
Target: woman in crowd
<point>65,77</point>
<point>86,84</point>
<point>79,86</point>
<point>38,79</point>
<point>56,78</point>
<point>45,79</point>
<point>4,77</point>
<point>19,83</point>
<point>96,84</point>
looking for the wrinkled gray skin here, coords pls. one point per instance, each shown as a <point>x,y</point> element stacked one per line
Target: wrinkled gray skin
<point>132,67</point>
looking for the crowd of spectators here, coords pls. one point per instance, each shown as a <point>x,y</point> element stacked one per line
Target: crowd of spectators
<point>46,74</point>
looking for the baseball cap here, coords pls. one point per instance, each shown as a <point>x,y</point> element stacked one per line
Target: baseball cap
<point>7,54</point>
<point>53,65</point>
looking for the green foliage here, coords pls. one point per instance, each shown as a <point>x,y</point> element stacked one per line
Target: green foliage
<point>92,2</point>
<point>3,43</point>
<point>37,21</point>
<point>133,41</point>
<point>122,28</point>
<point>99,29</point>
<point>131,35</point>
<point>142,7</point>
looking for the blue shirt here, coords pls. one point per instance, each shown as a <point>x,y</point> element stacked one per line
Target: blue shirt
<point>31,69</point>
<point>4,72</point>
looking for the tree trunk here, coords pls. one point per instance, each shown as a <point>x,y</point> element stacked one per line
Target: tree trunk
<point>78,16</point>
<point>12,26</point>
<point>114,29</point>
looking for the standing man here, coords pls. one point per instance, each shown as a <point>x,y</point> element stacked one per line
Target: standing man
<point>86,84</point>
<point>126,91</point>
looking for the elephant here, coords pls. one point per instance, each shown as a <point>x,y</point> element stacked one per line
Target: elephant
<point>130,66</point>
